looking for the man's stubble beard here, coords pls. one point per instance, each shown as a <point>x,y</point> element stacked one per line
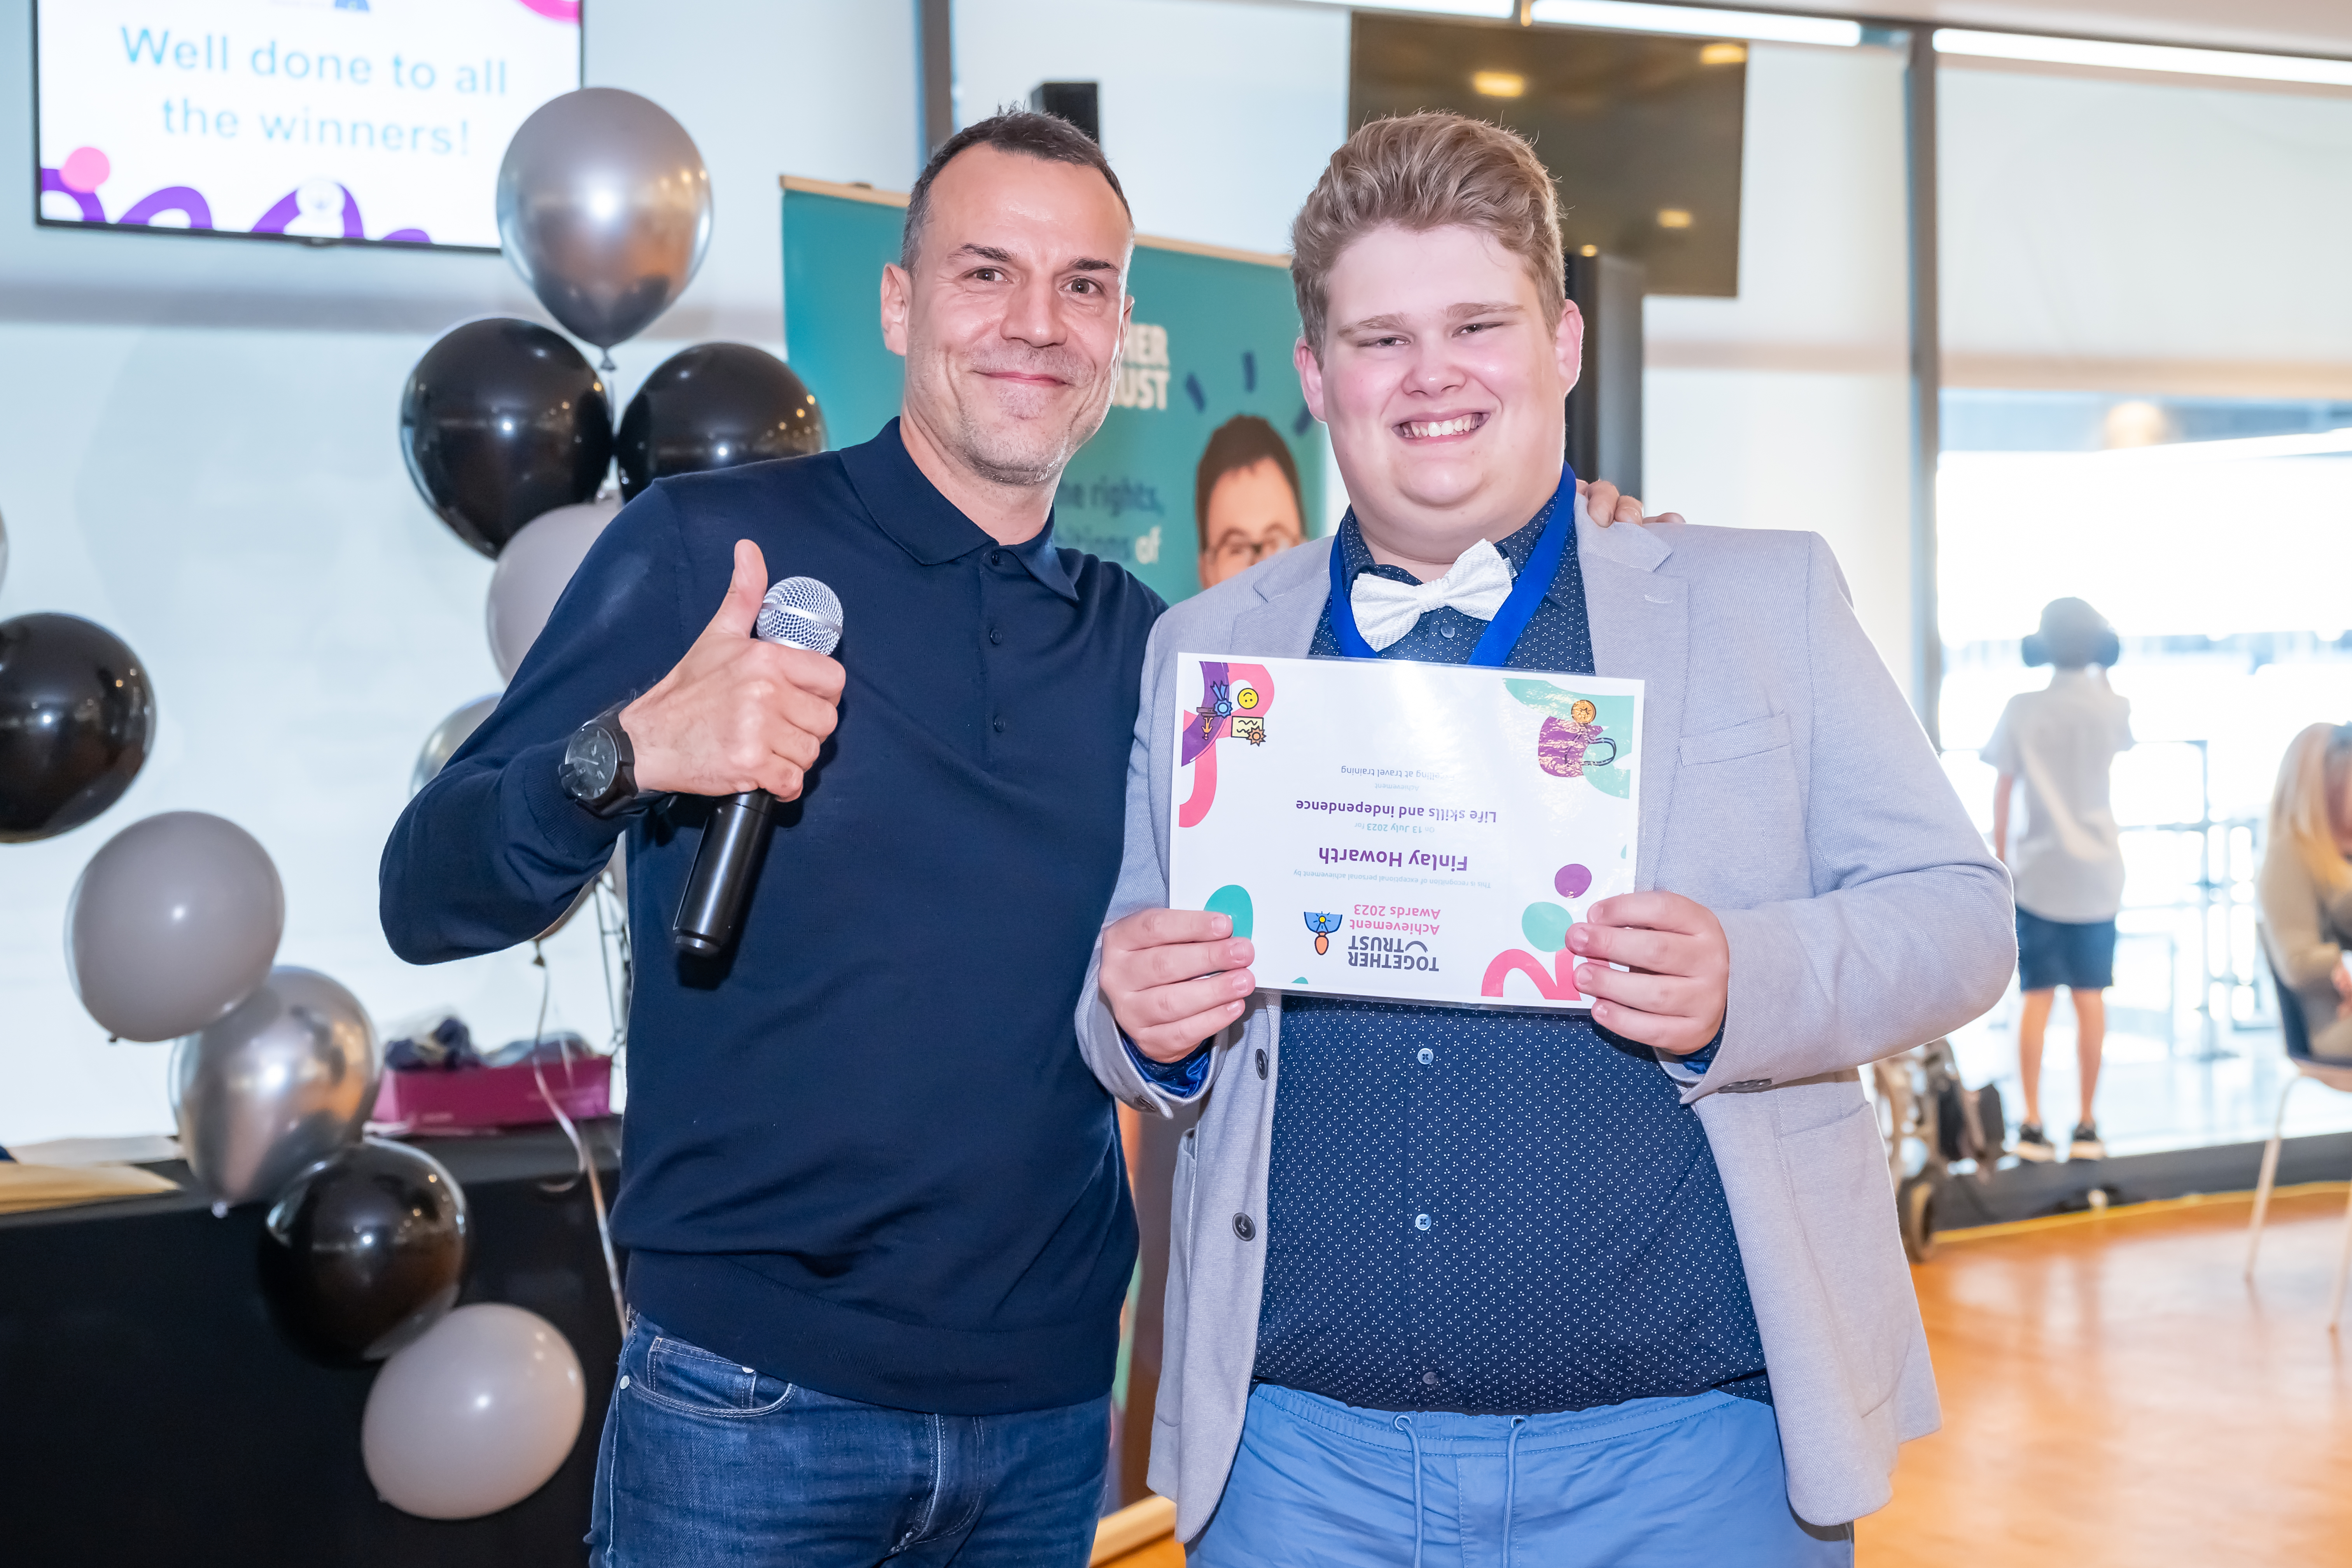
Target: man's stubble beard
<point>999,455</point>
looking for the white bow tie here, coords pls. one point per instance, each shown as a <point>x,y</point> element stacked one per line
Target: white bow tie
<point>1476,585</point>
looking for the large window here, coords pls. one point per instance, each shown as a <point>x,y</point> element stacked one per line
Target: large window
<point>2155,421</point>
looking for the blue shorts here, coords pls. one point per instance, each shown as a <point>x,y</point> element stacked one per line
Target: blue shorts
<point>2079,955</point>
<point>1651,1483</point>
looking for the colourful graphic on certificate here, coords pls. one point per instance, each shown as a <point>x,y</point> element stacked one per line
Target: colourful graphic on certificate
<point>1418,832</point>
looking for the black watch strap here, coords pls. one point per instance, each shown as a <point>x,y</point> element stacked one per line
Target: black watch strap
<point>599,765</point>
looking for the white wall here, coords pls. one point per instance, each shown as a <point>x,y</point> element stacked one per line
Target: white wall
<point>1789,406</point>
<point>198,449</point>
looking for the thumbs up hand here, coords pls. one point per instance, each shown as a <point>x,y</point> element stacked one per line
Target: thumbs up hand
<point>736,713</point>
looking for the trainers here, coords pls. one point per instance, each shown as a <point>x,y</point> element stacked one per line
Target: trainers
<point>2032,1146</point>
<point>2085,1144</point>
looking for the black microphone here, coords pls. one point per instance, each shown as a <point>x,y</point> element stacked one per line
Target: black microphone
<point>799,612</point>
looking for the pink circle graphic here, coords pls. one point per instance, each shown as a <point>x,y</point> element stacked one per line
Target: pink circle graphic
<point>1571,881</point>
<point>555,10</point>
<point>84,170</point>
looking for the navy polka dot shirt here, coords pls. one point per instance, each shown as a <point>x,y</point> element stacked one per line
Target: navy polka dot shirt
<point>1485,1211</point>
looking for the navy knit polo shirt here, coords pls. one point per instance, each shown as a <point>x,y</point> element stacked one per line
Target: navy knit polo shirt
<point>862,1153</point>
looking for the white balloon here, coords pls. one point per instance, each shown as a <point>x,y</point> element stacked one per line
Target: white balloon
<point>532,571</point>
<point>473,1417</point>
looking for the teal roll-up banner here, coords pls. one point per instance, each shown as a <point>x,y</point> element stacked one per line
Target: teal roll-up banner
<point>1210,344</point>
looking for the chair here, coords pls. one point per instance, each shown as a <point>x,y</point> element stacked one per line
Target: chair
<point>2337,1075</point>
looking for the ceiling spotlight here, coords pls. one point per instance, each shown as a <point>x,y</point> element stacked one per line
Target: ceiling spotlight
<point>1723,55</point>
<point>1673,217</point>
<point>1589,250</point>
<point>1498,84</point>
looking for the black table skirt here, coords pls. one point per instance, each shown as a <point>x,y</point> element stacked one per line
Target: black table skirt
<point>151,1413</point>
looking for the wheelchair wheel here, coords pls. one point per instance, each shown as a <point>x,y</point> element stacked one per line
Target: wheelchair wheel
<point>1915,1206</point>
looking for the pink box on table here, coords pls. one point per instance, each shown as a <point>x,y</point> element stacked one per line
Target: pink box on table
<point>481,1098</point>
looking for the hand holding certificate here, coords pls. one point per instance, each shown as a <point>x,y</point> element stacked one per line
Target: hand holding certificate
<point>1388,828</point>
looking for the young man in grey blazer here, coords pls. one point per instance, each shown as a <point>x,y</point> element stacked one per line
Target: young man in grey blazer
<point>1476,1283</point>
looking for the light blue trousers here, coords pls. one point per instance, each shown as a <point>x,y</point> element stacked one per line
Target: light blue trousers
<point>1651,1483</point>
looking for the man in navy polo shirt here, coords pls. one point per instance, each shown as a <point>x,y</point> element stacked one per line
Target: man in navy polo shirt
<point>869,1317</point>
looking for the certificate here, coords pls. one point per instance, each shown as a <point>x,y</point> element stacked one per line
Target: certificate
<point>1417,832</point>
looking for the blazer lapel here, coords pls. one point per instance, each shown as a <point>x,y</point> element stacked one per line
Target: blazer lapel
<point>1641,631</point>
<point>1291,594</point>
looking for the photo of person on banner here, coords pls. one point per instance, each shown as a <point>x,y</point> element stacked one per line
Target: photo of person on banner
<point>1245,499</point>
<point>1613,1285</point>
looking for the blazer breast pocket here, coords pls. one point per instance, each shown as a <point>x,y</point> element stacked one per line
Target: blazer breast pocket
<point>1736,816</point>
<point>1743,740</point>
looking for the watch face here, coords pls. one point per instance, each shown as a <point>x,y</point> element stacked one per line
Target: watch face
<point>590,761</point>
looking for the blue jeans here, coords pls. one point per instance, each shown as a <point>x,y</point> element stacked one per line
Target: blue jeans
<point>1651,1483</point>
<point>704,1461</point>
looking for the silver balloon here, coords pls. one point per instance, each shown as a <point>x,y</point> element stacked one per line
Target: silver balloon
<point>475,1416</point>
<point>447,737</point>
<point>287,1079</point>
<point>531,574</point>
<point>172,924</point>
<point>605,208</point>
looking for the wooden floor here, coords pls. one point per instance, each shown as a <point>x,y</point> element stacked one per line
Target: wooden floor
<point>2115,1395</point>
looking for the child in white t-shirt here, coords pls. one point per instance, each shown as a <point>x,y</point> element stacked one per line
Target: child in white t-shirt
<point>2068,866</point>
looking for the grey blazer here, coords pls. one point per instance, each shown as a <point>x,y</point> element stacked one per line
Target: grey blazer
<point>1786,786</point>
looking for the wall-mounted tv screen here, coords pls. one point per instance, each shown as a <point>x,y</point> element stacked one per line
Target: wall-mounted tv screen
<point>359,120</point>
<point>1642,131</point>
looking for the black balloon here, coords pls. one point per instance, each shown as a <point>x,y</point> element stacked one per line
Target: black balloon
<point>503,420</point>
<point>76,717</point>
<point>713,406</point>
<point>364,1250</point>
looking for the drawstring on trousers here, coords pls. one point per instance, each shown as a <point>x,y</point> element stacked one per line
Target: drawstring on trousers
<point>1405,1422</point>
<point>1511,1483</point>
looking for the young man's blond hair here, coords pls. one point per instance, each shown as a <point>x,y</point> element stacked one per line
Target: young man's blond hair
<point>1421,171</point>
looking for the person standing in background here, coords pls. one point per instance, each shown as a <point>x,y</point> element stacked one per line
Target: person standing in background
<point>2069,867</point>
<point>2305,888</point>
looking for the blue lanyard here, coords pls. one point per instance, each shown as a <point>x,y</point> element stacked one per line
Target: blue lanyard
<point>1503,633</point>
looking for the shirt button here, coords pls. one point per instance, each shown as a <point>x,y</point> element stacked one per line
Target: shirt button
<point>1261,1061</point>
<point>1429,1380</point>
<point>1243,1227</point>
<point>996,558</point>
<point>997,725</point>
<point>1421,1222</point>
<point>1424,1056</point>
<point>995,636</point>
<point>1446,630</point>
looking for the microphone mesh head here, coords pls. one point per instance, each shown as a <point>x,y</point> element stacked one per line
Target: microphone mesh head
<point>802,612</point>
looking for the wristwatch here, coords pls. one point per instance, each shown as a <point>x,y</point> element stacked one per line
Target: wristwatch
<point>599,765</point>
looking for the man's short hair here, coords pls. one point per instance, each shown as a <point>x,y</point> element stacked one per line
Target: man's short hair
<point>1242,442</point>
<point>1022,131</point>
<point>1420,171</point>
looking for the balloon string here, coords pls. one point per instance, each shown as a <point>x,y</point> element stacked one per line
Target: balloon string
<point>579,1148</point>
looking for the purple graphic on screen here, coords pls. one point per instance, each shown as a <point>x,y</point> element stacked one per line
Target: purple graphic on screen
<point>184,199</point>
<point>555,10</point>
<point>1571,881</point>
<point>315,209</point>
<point>54,180</point>
<point>408,236</point>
